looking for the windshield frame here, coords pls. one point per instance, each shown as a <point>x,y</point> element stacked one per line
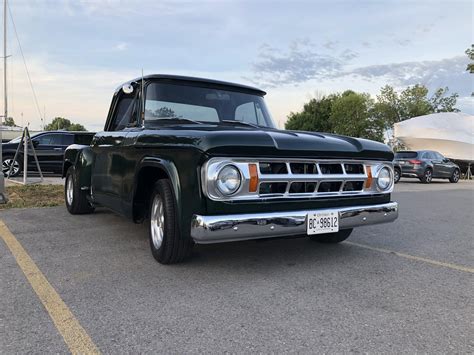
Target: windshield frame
<point>259,99</point>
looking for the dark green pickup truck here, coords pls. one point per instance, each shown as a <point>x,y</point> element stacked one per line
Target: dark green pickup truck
<point>201,162</point>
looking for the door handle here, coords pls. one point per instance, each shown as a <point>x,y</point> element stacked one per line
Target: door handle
<point>58,148</point>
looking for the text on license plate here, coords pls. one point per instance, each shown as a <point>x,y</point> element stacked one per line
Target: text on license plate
<point>322,222</point>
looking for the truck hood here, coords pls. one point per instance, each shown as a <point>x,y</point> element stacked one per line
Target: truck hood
<point>217,140</point>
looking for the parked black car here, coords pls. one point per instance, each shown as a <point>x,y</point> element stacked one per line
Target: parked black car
<point>426,165</point>
<point>49,147</point>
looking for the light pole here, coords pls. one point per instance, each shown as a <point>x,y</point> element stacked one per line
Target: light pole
<point>3,195</point>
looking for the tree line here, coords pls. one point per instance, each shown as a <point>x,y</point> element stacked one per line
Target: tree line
<point>359,115</point>
<point>58,124</point>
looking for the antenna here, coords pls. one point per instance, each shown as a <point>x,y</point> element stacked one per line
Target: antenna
<point>143,100</point>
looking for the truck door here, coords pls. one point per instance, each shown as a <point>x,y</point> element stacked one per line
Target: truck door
<point>109,165</point>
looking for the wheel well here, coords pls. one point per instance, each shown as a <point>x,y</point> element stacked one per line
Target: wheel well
<point>146,178</point>
<point>66,167</point>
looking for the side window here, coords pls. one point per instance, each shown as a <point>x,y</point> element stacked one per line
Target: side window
<point>246,113</point>
<point>68,139</point>
<point>49,139</point>
<point>439,156</point>
<point>124,114</point>
<point>84,139</point>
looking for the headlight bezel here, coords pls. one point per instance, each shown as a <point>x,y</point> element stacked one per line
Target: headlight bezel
<point>219,187</point>
<point>390,178</point>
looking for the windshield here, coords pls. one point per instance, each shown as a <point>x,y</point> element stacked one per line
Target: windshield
<point>202,104</point>
<point>406,155</point>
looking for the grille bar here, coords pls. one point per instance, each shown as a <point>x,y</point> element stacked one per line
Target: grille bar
<point>309,179</point>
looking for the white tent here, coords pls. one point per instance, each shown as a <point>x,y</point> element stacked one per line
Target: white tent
<point>450,133</point>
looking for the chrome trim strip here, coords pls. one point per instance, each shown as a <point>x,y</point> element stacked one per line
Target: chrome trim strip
<point>229,228</point>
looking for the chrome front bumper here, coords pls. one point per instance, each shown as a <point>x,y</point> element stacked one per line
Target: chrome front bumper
<point>228,228</point>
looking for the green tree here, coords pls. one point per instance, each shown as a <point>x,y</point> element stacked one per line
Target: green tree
<point>442,103</point>
<point>392,107</point>
<point>470,54</point>
<point>9,122</point>
<point>315,116</point>
<point>351,115</point>
<point>61,123</point>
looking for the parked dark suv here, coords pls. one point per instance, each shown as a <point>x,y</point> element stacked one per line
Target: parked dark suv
<point>49,147</point>
<point>426,165</point>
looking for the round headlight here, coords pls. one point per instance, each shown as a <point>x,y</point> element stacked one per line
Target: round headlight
<point>384,179</point>
<point>228,180</point>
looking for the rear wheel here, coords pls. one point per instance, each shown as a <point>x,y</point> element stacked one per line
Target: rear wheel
<point>331,238</point>
<point>75,198</point>
<point>427,176</point>
<point>455,177</point>
<point>396,175</point>
<point>9,163</point>
<point>167,245</point>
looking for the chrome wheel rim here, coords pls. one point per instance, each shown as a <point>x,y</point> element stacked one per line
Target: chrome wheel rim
<point>456,176</point>
<point>397,176</point>
<point>7,164</point>
<point>428,176</point>
<point>157,221</point>
<point>69,190</point>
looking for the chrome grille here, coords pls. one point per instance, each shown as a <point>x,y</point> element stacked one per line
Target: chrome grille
<point>296,178</point>
<point>308,179</point>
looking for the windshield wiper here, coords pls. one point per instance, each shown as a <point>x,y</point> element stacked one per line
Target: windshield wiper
<point>242,123</point>
<point>179,119</point>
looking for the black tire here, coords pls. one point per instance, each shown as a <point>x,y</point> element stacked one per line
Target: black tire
<point>427,176</point>
<point>172,247</point>
<point>331,238</point>
<point>455,176</point>
<point>7,161</point>
<point>396,175</point>
<point>77,203</point>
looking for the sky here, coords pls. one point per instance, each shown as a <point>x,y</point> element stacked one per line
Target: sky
<point>78,51</point>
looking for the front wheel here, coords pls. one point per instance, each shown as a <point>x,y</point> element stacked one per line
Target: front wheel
<point>11,165</point>
<point>331,238</point>
<point>455,177</point>
<point>75,198</point>
<point>167,245</point>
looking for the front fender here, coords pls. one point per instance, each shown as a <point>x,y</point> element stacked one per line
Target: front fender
<point>82,158</point>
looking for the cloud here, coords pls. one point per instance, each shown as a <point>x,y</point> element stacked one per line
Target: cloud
<point>121,46</point>
<point>449,72</point>
<point>299,63</point>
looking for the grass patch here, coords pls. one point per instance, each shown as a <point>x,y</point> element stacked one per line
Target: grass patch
<point>20,196</point>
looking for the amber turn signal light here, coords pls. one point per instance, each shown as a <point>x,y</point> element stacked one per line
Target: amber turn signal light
<point>368,182</point>
<point>253,184</point>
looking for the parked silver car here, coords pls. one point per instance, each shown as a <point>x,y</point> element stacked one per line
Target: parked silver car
<point>426,165</point>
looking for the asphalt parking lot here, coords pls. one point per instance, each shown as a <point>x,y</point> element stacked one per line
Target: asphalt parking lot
<point>401,287</point>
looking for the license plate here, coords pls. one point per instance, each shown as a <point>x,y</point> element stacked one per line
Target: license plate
<point>322,222</point>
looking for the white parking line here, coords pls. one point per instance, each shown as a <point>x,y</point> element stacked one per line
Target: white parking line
<point>416,258</point>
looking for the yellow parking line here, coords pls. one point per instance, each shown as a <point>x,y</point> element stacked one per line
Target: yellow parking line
<point>72,332</point>
<point>417,258</point>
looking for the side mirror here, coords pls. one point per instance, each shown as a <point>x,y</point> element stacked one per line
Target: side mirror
<point>127,88</point>
<point>35,143</point>
<point>446,160</point>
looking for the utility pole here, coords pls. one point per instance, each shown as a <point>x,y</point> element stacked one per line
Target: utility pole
<point>3,195</point>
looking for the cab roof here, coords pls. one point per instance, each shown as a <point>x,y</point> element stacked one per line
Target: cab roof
<point>190,79</point>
